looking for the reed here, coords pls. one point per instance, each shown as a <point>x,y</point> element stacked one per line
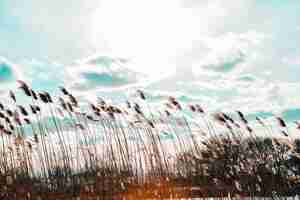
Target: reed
<point>58,148</point>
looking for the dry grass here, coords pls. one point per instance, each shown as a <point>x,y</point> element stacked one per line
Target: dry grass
<point>49,151</point>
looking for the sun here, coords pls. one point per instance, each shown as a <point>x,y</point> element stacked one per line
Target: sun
<point>149,33</point>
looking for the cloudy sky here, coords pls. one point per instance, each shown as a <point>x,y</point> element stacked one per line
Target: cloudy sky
<point>225,54</point>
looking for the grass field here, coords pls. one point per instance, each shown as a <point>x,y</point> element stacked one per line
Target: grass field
<point>60,148</point>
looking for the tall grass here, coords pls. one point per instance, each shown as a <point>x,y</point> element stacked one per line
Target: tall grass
<point>58,147</point>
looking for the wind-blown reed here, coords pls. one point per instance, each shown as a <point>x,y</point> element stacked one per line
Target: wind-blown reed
<point>59,146</point>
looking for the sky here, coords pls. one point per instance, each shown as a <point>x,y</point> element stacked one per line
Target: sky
<point>224,54</point>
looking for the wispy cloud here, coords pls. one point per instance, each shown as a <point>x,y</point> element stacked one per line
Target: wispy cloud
<point>101,72</point>
<point>228,52</point>
<point>224,54</point>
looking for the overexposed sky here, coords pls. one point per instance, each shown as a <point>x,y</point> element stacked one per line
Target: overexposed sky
<point>223,50</point>
<point>160,34</point>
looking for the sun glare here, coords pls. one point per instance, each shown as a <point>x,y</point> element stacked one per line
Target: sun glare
<point>150,33</point>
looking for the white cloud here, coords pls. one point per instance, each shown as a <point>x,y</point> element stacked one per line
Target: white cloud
<point>229,52</point>
<point>164,38</point>
<point>101,73</point>
<point>156,35</point>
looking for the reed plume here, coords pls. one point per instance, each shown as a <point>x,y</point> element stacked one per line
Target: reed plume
<point>59,145</point>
